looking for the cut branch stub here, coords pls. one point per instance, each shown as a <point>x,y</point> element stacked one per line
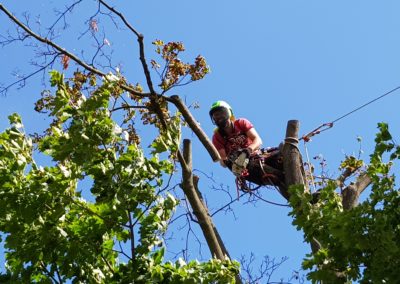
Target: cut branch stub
<point>352,192</point>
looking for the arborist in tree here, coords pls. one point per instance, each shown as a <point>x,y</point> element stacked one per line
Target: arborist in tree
<point>238,144</point>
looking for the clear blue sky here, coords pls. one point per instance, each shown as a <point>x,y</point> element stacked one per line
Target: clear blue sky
<point>272,61</point>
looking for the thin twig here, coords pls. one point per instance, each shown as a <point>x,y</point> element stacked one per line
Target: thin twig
<point>67,53</point>
<point>23,80</point>
<point>62,15</point>
<point>132,236</point>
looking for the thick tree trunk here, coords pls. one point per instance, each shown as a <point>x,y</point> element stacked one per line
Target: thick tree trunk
<point>199,210</point>
<point>292,161</point>
<point>193,195</point>
<point>293,166</point>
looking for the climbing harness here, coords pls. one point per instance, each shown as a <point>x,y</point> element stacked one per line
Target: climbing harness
<point>264,168</point>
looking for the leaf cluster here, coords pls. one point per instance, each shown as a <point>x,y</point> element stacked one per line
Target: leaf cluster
<point>363,243</point>
<point>99,213</point>
<point>175,71</point>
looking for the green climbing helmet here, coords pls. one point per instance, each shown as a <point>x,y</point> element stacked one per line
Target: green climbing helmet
<point>221,105</point>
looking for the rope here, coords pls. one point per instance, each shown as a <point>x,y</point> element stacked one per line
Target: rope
<point>323,127</point>
<point>253,192</point>
<point>326,126</point>
<point>241,184</point>
<point>270,202</point>
<point>368,103</point>
<point>309,167</point>
<point>292,141</point>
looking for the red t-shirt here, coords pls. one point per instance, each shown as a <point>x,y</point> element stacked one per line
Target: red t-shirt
<point>236,140</point>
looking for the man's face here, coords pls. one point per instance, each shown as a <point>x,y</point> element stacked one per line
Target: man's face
<point>221,118</point>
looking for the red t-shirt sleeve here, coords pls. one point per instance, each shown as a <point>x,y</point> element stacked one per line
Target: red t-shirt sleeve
<point>244,125</point>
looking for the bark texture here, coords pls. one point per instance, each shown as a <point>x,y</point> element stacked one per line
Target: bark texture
<point>293,166</point>
<point>193,195</point>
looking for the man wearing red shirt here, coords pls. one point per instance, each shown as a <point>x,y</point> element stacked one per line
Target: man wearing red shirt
<point>232,134</point>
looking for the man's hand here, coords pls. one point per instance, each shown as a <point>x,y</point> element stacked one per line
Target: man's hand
<point>247,151</point>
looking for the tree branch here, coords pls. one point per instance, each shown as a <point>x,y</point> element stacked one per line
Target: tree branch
<point>153,96</point>
<point>23,80</point>
<point>352,192</point>
<point>347,173</point>
<point>119,14</point>
<point>50,43</point>
<point>46,271</point>
<point>65,52</point>
<point>198,207</point>
<point>62,15</point>
<point>132,236</point>
<point>128,107</point>
<point>194,126</point>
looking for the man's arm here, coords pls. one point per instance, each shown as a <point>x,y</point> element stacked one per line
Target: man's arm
<point>222,154</point>
<point>253,135</point>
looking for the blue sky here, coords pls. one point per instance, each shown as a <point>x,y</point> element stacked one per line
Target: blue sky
<point>272,61</point>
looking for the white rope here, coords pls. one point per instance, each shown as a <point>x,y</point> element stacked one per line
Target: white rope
<point>309,167</point>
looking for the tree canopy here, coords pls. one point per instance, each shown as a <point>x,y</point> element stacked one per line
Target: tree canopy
<point>53,233</point>
<point>360,242</point>
<point>99,209</point>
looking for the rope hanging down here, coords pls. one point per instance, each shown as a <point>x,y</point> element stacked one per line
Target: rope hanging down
<point>328,125</point>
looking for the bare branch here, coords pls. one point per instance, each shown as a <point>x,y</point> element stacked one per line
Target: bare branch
<point>62,16</point>
<point>65,52</point>
<point>10,39</point>
<point>21,82</point>
<point>197,205</point>
<point>121,251</point>
<point>108,264</point>
<point>265,270</point>
<point>51,43</point>
<point>121,16</point>
<point>228,204</point>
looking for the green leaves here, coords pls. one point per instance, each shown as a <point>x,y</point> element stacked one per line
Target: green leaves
<point>361,244</point>
<point>56,78</point>
<point>111,229</point>
<point>168,139</point>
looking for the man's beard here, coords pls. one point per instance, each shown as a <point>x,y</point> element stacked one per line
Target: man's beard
<point>222,124</point>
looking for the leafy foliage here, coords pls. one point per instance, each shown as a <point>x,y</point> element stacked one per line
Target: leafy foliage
<point>361,244</point>
<point>175,71</point>
<point>53,234</point>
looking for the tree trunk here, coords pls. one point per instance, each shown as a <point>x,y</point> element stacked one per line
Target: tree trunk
<point>292,161</point>
<point>293,166</point>
<point>192,193</point>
